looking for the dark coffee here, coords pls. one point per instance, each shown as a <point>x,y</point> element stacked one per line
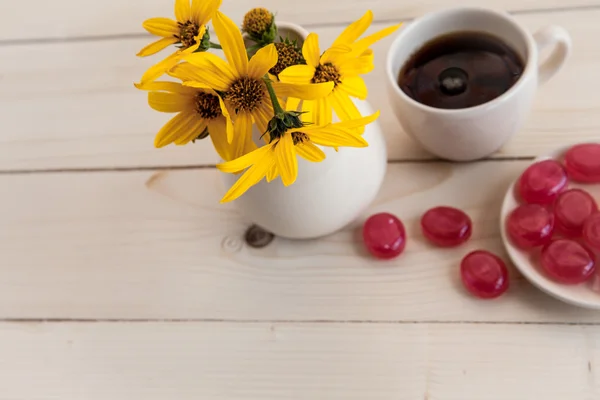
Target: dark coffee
<point>460,70</point>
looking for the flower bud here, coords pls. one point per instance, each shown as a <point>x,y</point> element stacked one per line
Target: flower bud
<point>259,24</point>
<point>279,125</point>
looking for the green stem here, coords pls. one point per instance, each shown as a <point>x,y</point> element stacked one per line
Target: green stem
<point>214,46</point>
<point>279,112</point>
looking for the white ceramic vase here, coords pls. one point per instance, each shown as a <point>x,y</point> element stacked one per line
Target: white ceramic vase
<point>326,196</point>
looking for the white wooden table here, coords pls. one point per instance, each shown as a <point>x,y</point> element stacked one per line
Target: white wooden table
<point>122,278</point>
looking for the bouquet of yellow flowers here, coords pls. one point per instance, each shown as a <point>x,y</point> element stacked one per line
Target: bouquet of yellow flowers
<point>289,93</point>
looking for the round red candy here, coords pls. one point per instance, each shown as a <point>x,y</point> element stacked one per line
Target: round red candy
<point>566,261</point>
<point>583,162</point>
<point>530,225</point>
<point>446,226</point>
<point>384,235</point>
<point>591,232</point>
<point>571,209</point>
<point>542,182</point>
<point>484,274</point>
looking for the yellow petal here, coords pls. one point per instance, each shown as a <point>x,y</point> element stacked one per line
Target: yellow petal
<point>365,43</point>
<point>177,127</point>
<point>186,72</point>
<point>164,27</point>
<point>272,173</point>
<point>217,129</point>
<point>159,69</point>
<point>250,178</point>
<point>308,110</point>
<point>310,152</point>
<point>241,163</point>
<point>242,135</point>
<point>333,136</point>
<point>287,162</point>
<point>337,54</point>
<point>163,86</point>
<point>297,74</point>
<point>204,10</point>
<point>157,46</point>
<point>183,12</point>
<point>356,65</point>
<point>322,111</point>
<point>232,42</point>
<point>292,104</point>
<point>227,117</point>
<point>310,50</point>
<point>196,85</point>
<point>262,116</point>
<point>343,106</point>
<point>355,29</point>
<point>213,71</point>
<point>196,128</point>
<point>354,86</point>
<point>169,102</point>
<point>309,91</point>
<point>356,123</point>
<point>262,61</point>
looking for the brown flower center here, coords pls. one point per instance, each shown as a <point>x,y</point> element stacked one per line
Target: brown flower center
<point>326,73</point>
<point>207,105</point>
<point>257,21</point>
<point>287,55</point>
<point>246,94</point>
<point>299,137</point>
<point>187,33</point>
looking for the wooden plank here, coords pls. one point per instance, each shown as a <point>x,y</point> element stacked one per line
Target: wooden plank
<point>69,18</point>
<point>263,361</point>
<point>77,108</point>
<point>146,244</point>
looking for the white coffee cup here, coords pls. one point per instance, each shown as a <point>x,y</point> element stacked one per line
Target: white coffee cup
<point>475,132</point>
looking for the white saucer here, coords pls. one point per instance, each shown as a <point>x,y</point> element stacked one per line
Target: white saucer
<point>580,295</point>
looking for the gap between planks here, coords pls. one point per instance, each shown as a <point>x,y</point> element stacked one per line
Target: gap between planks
<point>212,166</point>
<point>287,321</point>
<point>121,36</point>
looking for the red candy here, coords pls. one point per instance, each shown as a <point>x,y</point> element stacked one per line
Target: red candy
<point>542,182</point>
<point>583,162</point>
<point>591,231</point>
<point>571,209</point>
<point>446,226</point>
<point>530,225</point>
<point>384,235</point>
<point>568,262</point>
<point>484,274</point>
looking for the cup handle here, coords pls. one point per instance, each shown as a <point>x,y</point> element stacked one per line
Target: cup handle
<point>558,38</point>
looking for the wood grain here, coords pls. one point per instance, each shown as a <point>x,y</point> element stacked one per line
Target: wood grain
<point>78,108</point>
<point>42,20</point>
<point>264,361</point>
<point>145,245</point>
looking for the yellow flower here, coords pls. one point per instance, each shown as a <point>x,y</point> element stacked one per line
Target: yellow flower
<point>198,109</point>
<point>187,30</point>
<point>341,64</point>
<point>350,35</point>
<point>279,156</point>
<point>241,81</point>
